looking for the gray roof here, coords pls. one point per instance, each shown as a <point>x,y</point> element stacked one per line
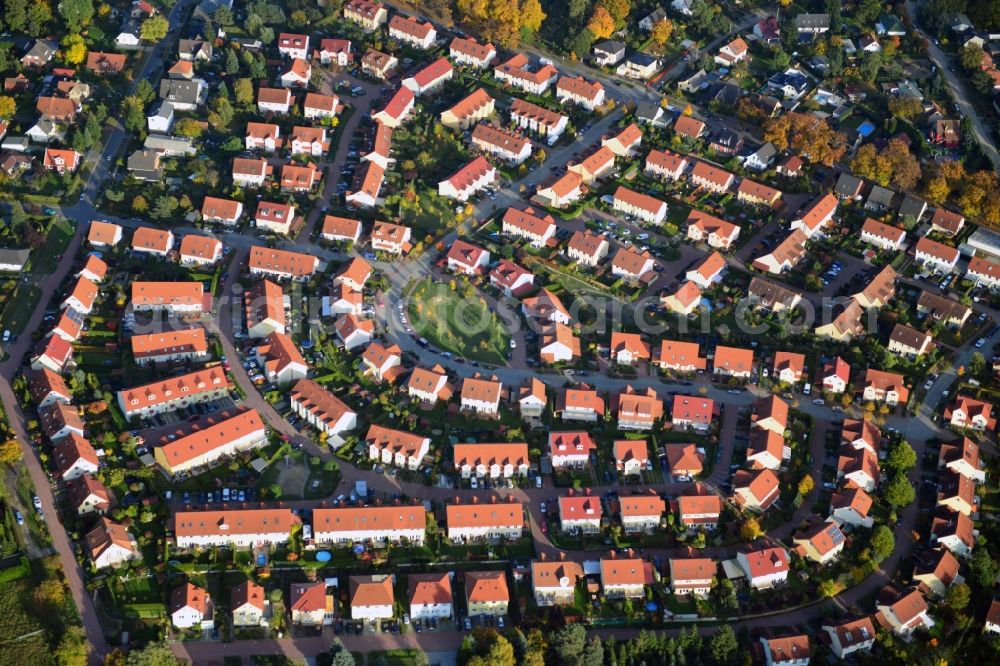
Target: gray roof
<point>648,111</point>
<point>42,49</point>
<point>179,90</point>
<point>14,256</point>
<point>610,46</point>
<point>643,59</point>
<point>171,144</point>
<point>847,185</point>
<point>192,46</point>
<point>880,196</point>
<point>145,164</point>
<point>812,21</point>
<point>161,108</point>
<point>912,207</point>
<point>766,152</point>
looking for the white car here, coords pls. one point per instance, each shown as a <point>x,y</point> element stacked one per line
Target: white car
<point>513,344</point>
<point>980,342</point>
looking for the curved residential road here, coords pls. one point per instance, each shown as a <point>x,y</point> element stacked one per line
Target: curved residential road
<point>43,487</point>
<point>958,90</point>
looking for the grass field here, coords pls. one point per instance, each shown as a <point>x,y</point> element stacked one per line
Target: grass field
<point>465,326</point>
<point>19,308</point>
<point>57,238</point>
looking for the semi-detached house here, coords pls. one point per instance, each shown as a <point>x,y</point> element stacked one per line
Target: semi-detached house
<point>469,180</point>
<point>467,51</point>
<point>537,119</point>
<point>646,208</point>
<point>412,32</point>
<point>665,164</point>
<point>468,111</point>
<point>578,90</point>
<point>527,224</point>
<point>508,146</point>
<point>396,447</point>
<point>516,72</point>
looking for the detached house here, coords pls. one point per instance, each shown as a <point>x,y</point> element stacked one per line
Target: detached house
<point>191,606</point>
<point>732,53</point>
<point>554,583</point>
<point>486,593</point>
<point>690,411</point>
<point>764,567</point>
<point>430,596</point>
<point>467,259</point>
<point>755,490</point>
<point>984,273</point>
<point>571,449</point>
<point>429,385</point>
<point>527,224</point>
<point>887,387</point>
<point>717,232</point>
<point>711,178</point>
<point>369,15</point>
<point>587,248</point>
<point>580,514</point>
<point>820,541</point>
<point>371,597</point>
<point>378,65</point>
<point>968,412</point>
<point>632,265</point>
<point>274,100</point>
<point>903,611</point>
<point>481,394</point>
<point>579,403</point>
<point>692,576</point>
<point>733,361</point>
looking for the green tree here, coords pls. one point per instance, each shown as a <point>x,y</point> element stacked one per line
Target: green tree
<point>154,654</point>
<point>593,653</point>
<point>39,13</point>
<point>883,542</point>
<point>899,491</point>
<point>971,57</point>
<point>145,92</point>
<point>16,14</point>
<point>983,569</point>
<point>232,63</point>
<point>567,644</point>
<point>73,648</point>
<point>340,655</point>
<point>222,113</point>
<point>76,13</point>
<point>154,28</point>
<point>977,364</point>
<point>135,117</point>
<point>722,646</point>
<point>189,127</point>
<point>223,15</point>
<point>901,457</point>
<point>957,597</point>
<point>164,207</point>
<point>243,91</point>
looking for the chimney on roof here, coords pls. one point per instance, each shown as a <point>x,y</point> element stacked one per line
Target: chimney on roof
<point>543,556</point>
<point>562,555</point>
<point>475,499</point>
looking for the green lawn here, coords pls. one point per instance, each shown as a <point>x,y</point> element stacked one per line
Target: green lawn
<point>57,238</point>
<point>19,308</point>
<point>464,326</point>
